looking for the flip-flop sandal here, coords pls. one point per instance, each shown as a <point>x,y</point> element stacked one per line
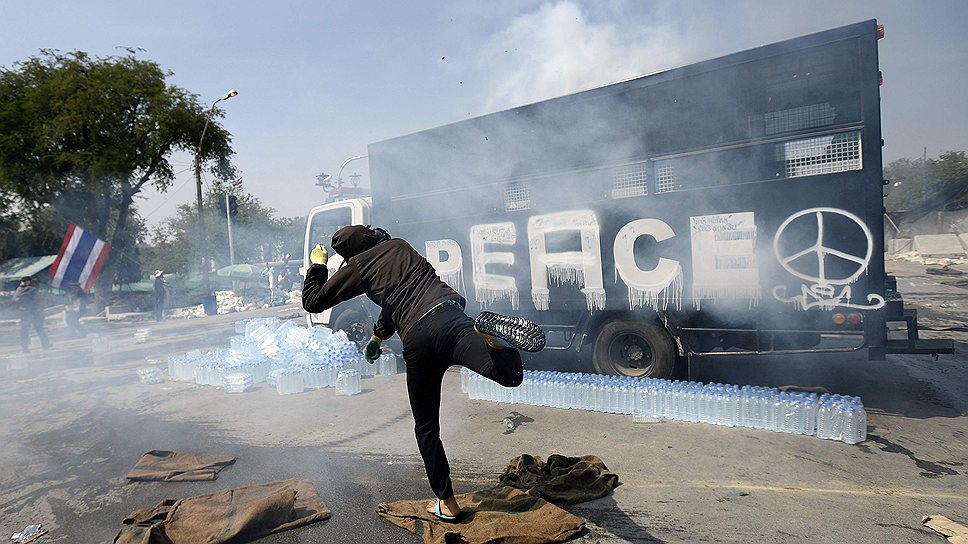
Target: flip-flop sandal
<point>441,515</point>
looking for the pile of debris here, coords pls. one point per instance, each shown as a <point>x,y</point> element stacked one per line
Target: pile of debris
<point>228,302</point>
<point>915,257</point>
<point>285,355</point>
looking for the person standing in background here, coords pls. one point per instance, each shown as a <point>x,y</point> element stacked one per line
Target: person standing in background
<point>28,300</point>
<point>285,281</point>
<point>161,293</point>
<point>76,302</point>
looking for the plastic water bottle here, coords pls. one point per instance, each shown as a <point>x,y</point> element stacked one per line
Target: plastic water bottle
<point>837,418</point>
<point>823,418</point>
<point>732,407</point>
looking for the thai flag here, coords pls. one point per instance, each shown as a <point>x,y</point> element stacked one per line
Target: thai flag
<point>80,259</point>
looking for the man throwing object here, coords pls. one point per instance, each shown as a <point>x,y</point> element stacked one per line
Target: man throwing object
<point>436,333</point>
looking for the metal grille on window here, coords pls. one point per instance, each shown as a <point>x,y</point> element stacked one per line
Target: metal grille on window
<point>517,196</point>
<point>629,181</point>
<point>821,155</point>
<point>665,179</point>
<point>803,117</point>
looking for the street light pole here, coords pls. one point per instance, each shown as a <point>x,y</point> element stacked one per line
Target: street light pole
<point>339,175</point>
<point>228,224</point>
<point>230,189</point>
<point>198,192</point>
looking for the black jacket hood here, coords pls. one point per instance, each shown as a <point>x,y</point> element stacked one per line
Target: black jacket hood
<point>355,239</point>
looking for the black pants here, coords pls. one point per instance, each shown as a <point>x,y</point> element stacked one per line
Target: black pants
<point>35,319</point>
<point>73,319</point>
<point>443,338</point>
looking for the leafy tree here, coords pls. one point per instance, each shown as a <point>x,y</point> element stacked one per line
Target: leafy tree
<point>951,171</point>
<point>81,136</point>
<point>258,235</point>
<point>925,185</point>
<point>907,184</point>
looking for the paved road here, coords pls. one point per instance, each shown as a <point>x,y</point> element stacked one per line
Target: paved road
<point>72,427</point>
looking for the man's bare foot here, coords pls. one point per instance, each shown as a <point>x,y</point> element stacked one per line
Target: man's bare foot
<point>448,507</point>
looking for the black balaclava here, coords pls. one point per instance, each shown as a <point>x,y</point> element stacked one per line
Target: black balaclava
<point>355,239</point>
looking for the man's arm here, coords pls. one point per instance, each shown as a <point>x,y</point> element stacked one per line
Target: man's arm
<point>385,327</point>
<point>320,292</point>
<point>21,292</point>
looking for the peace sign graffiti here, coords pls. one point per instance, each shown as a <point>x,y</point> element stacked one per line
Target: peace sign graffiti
<point>823,293</point>
<point>822,251</point>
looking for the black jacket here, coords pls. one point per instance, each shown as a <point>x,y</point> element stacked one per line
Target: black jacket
<point>27,298</point>
<point>388,271</point>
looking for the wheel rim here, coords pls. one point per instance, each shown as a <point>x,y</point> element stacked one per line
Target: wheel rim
<point>357,332</point>
<point>630,354</point>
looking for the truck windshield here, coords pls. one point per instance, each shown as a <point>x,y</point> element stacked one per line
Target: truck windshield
<point>326,223</point>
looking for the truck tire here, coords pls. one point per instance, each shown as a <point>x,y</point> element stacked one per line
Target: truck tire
<point>634,348</point>
<point>356,324</point>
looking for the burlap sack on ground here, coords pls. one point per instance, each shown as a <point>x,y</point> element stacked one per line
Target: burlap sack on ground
<point>170,466</point>
<point>234,515</point>
<point>500,515</point>
<point>562,480</point>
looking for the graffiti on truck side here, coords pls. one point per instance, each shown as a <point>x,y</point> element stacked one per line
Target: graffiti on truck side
<point>724,261</point>
<point>822,292</point>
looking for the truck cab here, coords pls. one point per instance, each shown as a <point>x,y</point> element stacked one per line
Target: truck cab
<point>322,223</point>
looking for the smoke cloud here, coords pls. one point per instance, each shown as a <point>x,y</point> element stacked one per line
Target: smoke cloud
<point>561,48</point>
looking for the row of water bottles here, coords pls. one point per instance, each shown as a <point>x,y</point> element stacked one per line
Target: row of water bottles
<point>833,417</point>
<point>612,394</point>
<point>729,405</point>
<point>296,379</point>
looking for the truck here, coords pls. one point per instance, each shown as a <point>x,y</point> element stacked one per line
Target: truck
<point>728,207</point>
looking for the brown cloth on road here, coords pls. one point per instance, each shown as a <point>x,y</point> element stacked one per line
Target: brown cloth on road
<point>562,480</point>
<point>234,515</point>
<point>501,514</point>
<point>955,532</point>
<point>170,466</point>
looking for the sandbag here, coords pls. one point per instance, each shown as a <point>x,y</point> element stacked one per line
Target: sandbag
<point>233,515</point>
<point>170,466</point>
<point>499,515</point>
<point>561,480</point>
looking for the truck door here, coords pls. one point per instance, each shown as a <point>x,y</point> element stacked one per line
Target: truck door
<point>322,223</point>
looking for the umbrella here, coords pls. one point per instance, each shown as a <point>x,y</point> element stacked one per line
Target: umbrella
<point>243,272</point>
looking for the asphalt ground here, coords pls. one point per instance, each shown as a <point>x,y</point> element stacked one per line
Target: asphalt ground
<point>72,427</point>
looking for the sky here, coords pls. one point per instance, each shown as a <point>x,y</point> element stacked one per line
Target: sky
<point>320,80</point>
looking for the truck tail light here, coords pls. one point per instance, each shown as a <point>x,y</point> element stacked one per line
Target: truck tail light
<point>880,32</point>
<point>855,318</point>
<point>838,318</point>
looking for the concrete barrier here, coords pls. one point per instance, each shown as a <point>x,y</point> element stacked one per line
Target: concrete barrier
<point>899,245</point>
<point>939,246</point>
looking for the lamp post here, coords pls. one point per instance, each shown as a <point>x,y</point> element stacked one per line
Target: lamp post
<point>198,192</point>
<point>230,188</point>
<point>339,175</point>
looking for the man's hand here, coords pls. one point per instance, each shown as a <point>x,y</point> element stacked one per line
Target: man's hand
<point>318,255</point>
<point>371,351</point>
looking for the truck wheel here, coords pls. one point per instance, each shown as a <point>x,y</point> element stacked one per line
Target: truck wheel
<point>356,324</point>
<point>634,348</point>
